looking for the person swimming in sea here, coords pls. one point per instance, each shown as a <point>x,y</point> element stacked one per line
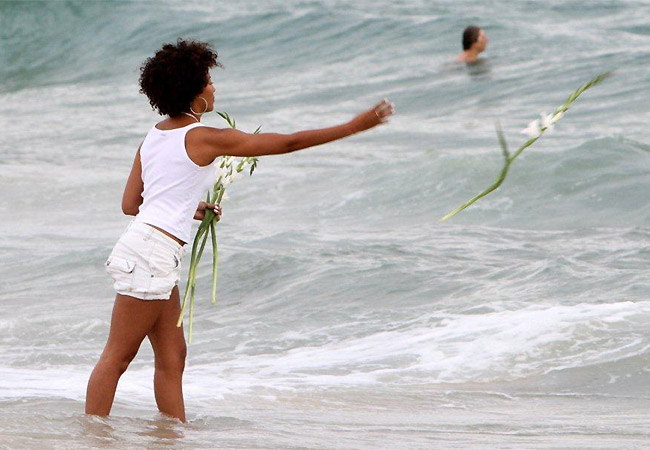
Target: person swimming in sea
<point>474,42</point>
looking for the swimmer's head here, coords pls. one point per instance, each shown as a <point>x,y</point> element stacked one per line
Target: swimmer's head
<point>474,38</point>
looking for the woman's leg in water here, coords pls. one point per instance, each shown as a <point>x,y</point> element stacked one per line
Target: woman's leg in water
<point>168,342</point>
<point>131,321</point>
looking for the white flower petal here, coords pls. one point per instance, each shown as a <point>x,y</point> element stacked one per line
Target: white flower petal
<point>218,173</point>
<point>557,117</point>
<point>547,123</point>
<point>533,129</point>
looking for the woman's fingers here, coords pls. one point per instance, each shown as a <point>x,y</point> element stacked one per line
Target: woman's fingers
<point>217,210</point>
<point>384,102</point>
<point>203,206</point>
<point>384,109</point>
<point>372,117</point>
<point>206,205</point>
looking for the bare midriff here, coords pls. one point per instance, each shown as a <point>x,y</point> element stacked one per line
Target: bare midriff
<point>167,234</point>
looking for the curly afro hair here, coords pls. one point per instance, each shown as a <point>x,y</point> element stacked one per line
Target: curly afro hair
<point>176,74</point>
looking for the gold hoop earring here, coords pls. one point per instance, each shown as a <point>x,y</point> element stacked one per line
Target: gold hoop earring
<point>204,111</point>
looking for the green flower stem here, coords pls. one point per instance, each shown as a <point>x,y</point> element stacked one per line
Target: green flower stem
<point>216,190</point>
<point>215,260</point>
<point>198,257</point>
<point>497,183</point>
<point>506,154</point>
<point>191,321</point>
<point>190,278</point>
<point>220,196</point>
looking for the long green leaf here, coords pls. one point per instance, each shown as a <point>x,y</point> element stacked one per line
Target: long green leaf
<point>215,262</point>
<point>198,256</point>
<point>191,276</point>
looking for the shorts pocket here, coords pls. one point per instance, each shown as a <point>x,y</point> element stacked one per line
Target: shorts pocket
<point>115,263</point>
<point>121,270</point>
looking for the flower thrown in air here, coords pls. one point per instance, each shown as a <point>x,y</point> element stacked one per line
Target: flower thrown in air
<point>534,131</point>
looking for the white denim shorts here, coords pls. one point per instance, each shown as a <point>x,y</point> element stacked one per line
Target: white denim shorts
<point>145,263</point>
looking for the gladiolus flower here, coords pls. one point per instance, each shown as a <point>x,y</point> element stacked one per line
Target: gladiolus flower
<point>547,122</point>
<point>533,129</point>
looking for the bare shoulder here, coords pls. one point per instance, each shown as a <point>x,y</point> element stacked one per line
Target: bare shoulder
<point>206,133</point>
<point>204,144</point>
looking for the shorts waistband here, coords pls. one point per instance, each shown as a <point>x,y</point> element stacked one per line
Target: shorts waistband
<point>149,232</point>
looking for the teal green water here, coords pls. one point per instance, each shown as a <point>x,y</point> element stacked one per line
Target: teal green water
<point>348,318</point>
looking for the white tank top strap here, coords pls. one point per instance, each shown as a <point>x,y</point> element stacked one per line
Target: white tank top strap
<point>183,131</point>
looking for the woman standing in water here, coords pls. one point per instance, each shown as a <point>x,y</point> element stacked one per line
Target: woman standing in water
<point>171,172</point>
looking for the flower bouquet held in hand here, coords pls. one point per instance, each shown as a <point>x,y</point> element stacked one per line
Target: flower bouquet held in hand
<point>535,130</point>
<point>227,170</point>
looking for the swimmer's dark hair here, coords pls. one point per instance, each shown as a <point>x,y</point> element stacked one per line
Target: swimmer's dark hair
<point>470,35</point>
<point>176,74</point>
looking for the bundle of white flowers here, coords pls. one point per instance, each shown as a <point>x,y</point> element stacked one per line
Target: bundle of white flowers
<point>534,131</point>
<point>227,170</point>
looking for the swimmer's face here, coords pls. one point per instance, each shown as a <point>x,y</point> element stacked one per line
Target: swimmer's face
<point>481,42</point>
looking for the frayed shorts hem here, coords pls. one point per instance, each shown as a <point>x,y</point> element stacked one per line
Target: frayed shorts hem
<point>144,296</point>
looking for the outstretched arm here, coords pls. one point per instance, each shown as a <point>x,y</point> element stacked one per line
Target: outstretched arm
<point>214,142</point>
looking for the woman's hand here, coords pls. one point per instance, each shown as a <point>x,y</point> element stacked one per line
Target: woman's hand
<point>200,210</point>
<point>373,117</point>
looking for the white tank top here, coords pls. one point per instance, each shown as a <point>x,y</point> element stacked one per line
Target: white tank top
<point>173,184</point>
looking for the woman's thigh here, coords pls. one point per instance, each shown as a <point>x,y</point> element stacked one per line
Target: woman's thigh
<point>168,340</point>
<point>131,321</point>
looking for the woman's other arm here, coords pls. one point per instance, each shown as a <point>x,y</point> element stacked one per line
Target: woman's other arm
<point>132,197</point>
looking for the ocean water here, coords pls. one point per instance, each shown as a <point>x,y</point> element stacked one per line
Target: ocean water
<point>347,317</point>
